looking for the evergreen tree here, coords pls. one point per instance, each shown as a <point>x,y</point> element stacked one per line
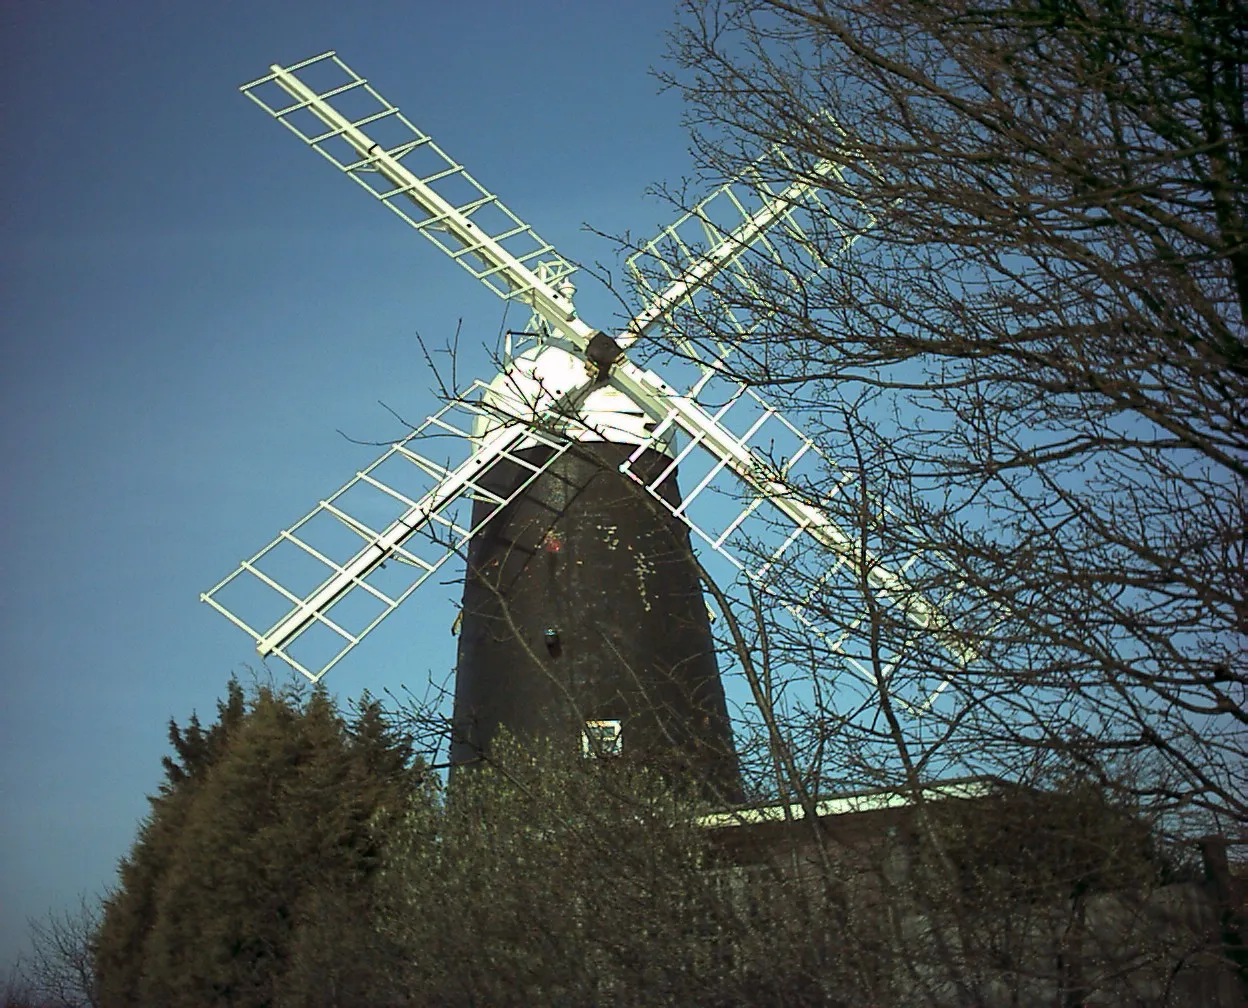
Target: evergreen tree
<point>130,910</point>
<point>257,851</point>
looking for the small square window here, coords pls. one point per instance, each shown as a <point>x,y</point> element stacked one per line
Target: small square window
<point>601,738</point>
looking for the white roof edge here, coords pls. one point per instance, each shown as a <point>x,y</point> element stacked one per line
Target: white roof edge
<point>864,802</point>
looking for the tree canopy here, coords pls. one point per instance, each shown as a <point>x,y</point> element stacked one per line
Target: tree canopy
<point>248,879</point>
<point>311,864</point>
<point>1020,327</point>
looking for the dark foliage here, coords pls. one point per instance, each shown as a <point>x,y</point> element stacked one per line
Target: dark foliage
<point>249,879</point>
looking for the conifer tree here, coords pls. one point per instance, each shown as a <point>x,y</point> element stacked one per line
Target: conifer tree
<point>248,882</point>
<point>130,910</point>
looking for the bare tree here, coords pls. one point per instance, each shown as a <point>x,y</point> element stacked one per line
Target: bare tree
<point>1048,893</point>
<point>1034,360</point>
<point>59,970</point>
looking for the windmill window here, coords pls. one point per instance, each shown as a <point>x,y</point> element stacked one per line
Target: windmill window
<point>602,739</point>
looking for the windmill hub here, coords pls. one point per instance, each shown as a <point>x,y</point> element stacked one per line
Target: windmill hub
<point>602,352</point>
<point>583,410</point>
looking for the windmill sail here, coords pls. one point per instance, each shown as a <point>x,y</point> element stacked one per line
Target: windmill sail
<point>755,505</point>
<point>316,590</point>
<point>329,107</point>
<point>750,498</point>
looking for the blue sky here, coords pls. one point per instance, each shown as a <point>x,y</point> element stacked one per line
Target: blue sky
<point>194,304</point>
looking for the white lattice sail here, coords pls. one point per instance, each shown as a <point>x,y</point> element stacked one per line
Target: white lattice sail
<point>774,530</point>
<point>316,590</point>
<point>804,230</point>
<point>747,504</point>
<point>328,105</point>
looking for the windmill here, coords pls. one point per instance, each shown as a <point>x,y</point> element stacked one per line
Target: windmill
<point>582,612</point>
